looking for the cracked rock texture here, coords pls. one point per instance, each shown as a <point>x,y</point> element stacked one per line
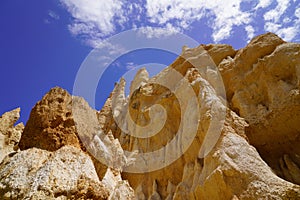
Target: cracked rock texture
<point>218,123</point>
<point>51,124</point>
<point>40,174</point>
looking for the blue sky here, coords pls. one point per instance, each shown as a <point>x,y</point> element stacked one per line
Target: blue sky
<point>43,43</point>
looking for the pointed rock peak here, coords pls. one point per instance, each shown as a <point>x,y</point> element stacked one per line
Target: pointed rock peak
<point>184,48</point>
<point>118,94</point>
<point>57,90</point>
<point>55,93</point>
<point>140,79</point>
<point>119,87</point>
<point>51,124</point>
<point>143,71</point>
<point>9,134</point>
<point>8,119</point>
<point>192,52</point>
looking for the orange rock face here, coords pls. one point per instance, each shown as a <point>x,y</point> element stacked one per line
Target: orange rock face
<point>51,125</point>
<point>260,84</point>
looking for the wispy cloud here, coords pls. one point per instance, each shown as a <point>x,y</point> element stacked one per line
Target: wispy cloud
<point>281,22</point>
<point>94,20</point>
<point>276,13</point>
<point>130,66</point>
<point>52,16</point>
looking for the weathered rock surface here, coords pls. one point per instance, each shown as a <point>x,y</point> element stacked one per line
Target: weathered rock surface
<point>67,173</point>
<point>263,87</point>
<point>233,169</point>
<point>10,134</point>
<point>51,124</point>
<point>60,120</point>
<point>216,124</point>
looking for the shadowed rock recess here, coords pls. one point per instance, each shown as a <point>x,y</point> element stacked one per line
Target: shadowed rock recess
<point>68,150</point>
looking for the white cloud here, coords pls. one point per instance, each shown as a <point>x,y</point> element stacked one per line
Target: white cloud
<point>95,20</point>
<point>275,14</point>
<point>158,32</point>
<point>286,20</point>
<point>288,33</point>
<point>95,17</point>
<point>275,23</point>
<point>250,32</point>
<point>227,14</point>
<point>263,4</point>
<point>297,12</point>
<point>162,11</point>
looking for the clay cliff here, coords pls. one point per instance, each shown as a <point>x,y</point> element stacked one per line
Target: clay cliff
<point>218,123</point>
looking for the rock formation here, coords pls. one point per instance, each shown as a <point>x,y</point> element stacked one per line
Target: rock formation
<point>251,76</point>
<point>51,125</point>
<point>9,134</point>
<point>218,123</point>
<point>265,91</point>
<point>54,161</point>
<point>40,174</point>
